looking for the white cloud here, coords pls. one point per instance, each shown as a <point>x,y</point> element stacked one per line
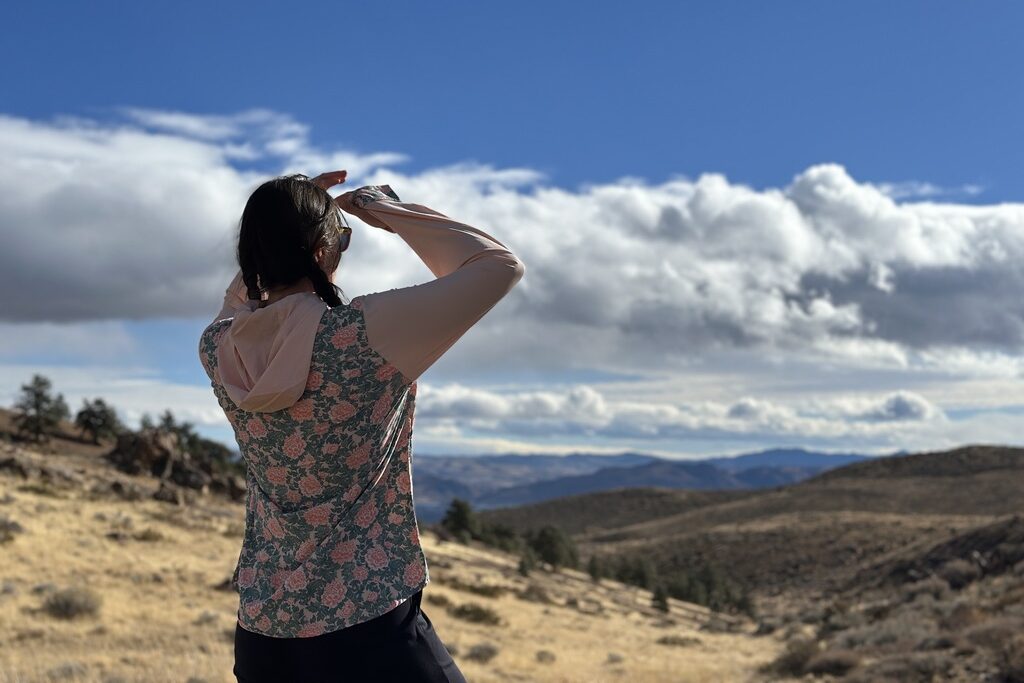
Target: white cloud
<point>131,390</point>
<point>915,189</point>
<point>716,291</point>
<point>583,409</point>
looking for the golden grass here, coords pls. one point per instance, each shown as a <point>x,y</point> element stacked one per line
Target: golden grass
<point>162,619</point>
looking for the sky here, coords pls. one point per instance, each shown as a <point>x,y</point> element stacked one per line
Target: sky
<point>745,225</point>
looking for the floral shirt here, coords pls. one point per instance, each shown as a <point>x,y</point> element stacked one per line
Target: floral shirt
<point>331,536</point>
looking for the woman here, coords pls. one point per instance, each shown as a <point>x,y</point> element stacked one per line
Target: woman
<point>321,395</point>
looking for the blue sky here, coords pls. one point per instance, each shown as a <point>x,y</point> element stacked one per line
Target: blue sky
<point>581,126</point>
<point>585,92</point>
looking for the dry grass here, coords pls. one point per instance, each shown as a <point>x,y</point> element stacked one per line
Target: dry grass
<point>154,570</point>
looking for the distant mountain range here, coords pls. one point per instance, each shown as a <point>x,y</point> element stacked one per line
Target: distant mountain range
<point>853,524</point>
<point>508,480</point>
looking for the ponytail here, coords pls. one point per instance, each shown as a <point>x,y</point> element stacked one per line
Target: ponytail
<point>325,289</point>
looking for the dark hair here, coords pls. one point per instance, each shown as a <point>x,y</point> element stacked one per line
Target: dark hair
<point>286,220</point>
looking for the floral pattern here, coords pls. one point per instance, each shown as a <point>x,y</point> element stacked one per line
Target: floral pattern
<point>367,194</point>
<point>331,537</point>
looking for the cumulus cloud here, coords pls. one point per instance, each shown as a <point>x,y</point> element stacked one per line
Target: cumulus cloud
<point>136,220</point>
<point>711,290</point>
<point>583,410</point>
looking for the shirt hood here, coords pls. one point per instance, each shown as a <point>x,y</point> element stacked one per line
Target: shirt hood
<point>264,358</point>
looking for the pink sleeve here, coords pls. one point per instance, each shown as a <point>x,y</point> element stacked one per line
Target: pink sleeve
<point>235,298</point>
<point>412,327</point>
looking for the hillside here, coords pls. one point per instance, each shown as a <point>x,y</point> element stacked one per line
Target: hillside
<point>907,568</point>
<point>796,536</point>
<point>165,612</point>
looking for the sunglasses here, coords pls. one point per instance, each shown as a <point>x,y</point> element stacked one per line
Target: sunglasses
<point>345,236</point>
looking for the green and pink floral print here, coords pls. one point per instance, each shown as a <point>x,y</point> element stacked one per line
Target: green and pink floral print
<point>331,537</point>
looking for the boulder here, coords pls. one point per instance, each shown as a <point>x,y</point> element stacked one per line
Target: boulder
<point>173,493</point>
<point>159,453</point>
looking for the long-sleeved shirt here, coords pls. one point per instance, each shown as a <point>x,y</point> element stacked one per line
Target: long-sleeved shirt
<point>322,403</point>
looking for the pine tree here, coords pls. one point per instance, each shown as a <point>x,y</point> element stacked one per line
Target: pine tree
<point>527,561</point>
<point>98,419</point>
<point>554,546</point>
<point>594,568</point>
<point>167,421</point>
<point>39,413</point>
<point>660,598</point>
<point>460,520</point>
<point>644,572</point>
<point>146,422</point>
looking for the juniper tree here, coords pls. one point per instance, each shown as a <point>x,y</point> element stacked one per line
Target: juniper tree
<point>38,412</point>
<point>594,568</point>
<point>554,546</point>
<point>98,419</point>
<point>659,600</point>
<point>460,520</point>
<point>527,561</point>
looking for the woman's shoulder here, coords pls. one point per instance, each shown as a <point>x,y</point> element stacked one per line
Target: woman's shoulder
<point>344,313</point>
<point>209,338</point>
<point>342,327</point>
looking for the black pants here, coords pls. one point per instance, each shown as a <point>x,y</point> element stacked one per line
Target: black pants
<point>398,646</point>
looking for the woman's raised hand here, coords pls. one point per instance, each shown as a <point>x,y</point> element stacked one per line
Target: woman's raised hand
<point>329,180</point>
<point>344,200</point>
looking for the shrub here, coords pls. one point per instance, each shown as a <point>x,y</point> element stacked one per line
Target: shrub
<point>705,585</point>
<point>438,599</point>
<point>460,522</point>
<point>793,661</point>
<point>638,571</point>
<point>992,634</point>
<point>680,641</point>
<point>906,627</point>
<point>478,589</point>
<point>962,615</point>
<point>553,546</point>
<point>545,656</point>
<point>1011,660</point>
<point>234,529</point>
<point>149,534</point>
<point>959,572</point>
<point>527,561</point>
<point>832,663</point>
<point>905,666</point>
<point>9,527</point>
<point>475,613</point>
<point>659,600</point>
<point>482,652</point>
<point>535,593</point>
<point>500,536</point>
<point>933,586</point>
<point>71,603</point>
<point>39,488</point>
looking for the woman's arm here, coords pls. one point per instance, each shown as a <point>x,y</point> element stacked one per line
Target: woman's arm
<point>235,298</point>
<point>412,327</point>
